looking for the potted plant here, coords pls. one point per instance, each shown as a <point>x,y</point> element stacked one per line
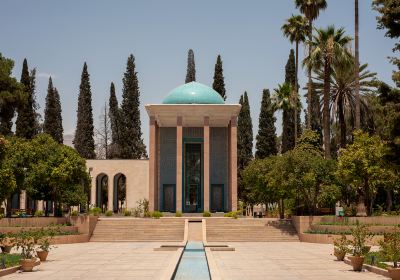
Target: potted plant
<point>26,242</point>
<point>341,247</point>
<point>360,235</point>
<point>390,250</point>
<point>44,248</point>
<point>7,242</point>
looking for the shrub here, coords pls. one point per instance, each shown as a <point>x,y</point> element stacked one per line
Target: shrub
<point>360,236</point>
<point>178,214</point>
<point>341,244</point>
<point>38,213</point>
<point>127,212</point>
<point>233,214</point>
<point>137,211</point>
<point>25,241</point>
<point>147,214</point>
<point>206,214</point>
<point>390,247</point>
<point>109,213</point>
<point>95,211</point>
<point>74,213</point>
<point>156,214</point>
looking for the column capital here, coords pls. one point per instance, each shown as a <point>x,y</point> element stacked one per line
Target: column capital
<point>152,120</point>
<point>179,120</point>
<point>233,121</point>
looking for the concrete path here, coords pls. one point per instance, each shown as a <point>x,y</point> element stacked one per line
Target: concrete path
<point>284,261</point>
<point>97,260</point>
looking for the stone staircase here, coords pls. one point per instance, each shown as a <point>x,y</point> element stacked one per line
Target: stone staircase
<point>250,230</point>
<point>138,229</point>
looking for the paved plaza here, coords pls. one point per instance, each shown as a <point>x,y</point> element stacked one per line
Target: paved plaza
<point>96,260</point>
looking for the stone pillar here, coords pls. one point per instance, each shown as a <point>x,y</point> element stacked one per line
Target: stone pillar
<point>233,163</point>
<point>22,200</point>
<point>206,159</point>
<point>40,205</point>
<point>110,190</point>
<point>179,163</point>
<point>93,197</point>
<point>152,165</point>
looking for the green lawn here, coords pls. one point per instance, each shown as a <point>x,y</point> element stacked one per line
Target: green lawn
<point>9,260</point>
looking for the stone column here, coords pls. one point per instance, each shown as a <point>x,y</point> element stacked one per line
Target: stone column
<point>22,200</point>
<point>40,205</point>
<point>110,190</point>
<point>206,159</point>
<point>179,163</point>
<point>93,197</point>
<point>233,163</point>
<point>152,165</point>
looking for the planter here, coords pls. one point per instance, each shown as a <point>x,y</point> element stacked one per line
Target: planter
<point>394,273</point>
<point>42,255</point>
<point>339,255</point>
<point>357,262</point>
<point>6,249</point>
<point>27,264</point>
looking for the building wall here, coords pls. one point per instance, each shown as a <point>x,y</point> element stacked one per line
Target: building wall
<point>136,172</point>
<point>219,159</point>
<point>167,159</point>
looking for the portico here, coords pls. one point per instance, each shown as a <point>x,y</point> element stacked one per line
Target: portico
<point>192,151</point>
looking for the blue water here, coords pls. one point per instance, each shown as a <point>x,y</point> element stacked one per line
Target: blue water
<point>193,264</point>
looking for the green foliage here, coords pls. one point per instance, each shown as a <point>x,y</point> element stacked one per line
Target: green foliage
<point>206,214</point>
<point>362,166</point>
<point>191,68</point>
<point>26,121</point>
<point>10,260</point>
<point>244,141</point>
<point>390,246</point>
<point>233,214</point>
<point>109,213</point>
<point>114,114</point>
<point>38,213</point>
<point>52,114</point>
<point>266,138</point>
<point>83,140</point>
<point>25,241</point>
<point>132,146</point>
<point>219,84</point>
<point>127,213</point>
<point>341,244</point>
<point>360,236</point>
<point>178,214</point>
<point>156,214</point>
<point>74,213</point>
<point>95,211</point>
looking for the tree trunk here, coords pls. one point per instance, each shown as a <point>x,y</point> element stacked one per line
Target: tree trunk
<point>326,115</point>
<point>309,93</point>
<point>8,207</point>
<point>389,200</point>
<point>281,209</point>
<point>342,123</point>
<point>357,66</point>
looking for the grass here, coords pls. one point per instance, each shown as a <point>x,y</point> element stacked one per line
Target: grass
<point>9,260</point>
<point>375,259</point>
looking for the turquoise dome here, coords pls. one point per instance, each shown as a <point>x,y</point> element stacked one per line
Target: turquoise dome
<point>193,93</point>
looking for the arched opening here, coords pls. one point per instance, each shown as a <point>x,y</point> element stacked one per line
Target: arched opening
<point>119,192</point>
<point>102,191</point>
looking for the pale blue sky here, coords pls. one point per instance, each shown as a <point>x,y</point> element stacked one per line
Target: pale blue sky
<point>58,36</point>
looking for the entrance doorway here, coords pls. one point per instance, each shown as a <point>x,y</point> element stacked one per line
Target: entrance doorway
<point>192,177</point>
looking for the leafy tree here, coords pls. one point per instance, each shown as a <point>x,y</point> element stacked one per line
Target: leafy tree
<point>363,168</point>
<point>83,140</point>
<point>26,120</point>
<point>7,178</point>
<point>266,138</point>
<point>191,68</point>
<point>11,95</point>
<point>311,10</point>
<point>328,46</point>
<point>389,19</point>
<point>343,93</point>
<point>114,114</point>
<point>219,84</point>
<point>52,114</point>
<point>244,141</point>
<point>132,146</point>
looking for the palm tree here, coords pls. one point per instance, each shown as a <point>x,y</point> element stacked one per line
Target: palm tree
<point>310,9</point>
<point>357,66</point>
<point>343,92</point>
<point>328,47</point>
<point>296,29</point>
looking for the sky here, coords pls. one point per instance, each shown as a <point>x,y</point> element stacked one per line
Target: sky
<point>57,37</point>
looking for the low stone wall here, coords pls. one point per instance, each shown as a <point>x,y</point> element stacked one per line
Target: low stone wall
<point>32,222</point>
<point>304,223</point>
<point>339,229</point>
<point>72,229</point>
<point>85,224</point>
<point>69,239</point>
<point>377,220</point>
<point>329,238</point>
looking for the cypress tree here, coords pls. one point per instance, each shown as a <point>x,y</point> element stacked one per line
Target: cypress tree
<point>132,146</point>
<point>83,140</point>
<point>26,120</point>
<point>191,68</point>
<point>115,120</point>
<point>52,114</point>
<point>219,84</point>
<point>266,137</point>
<point>288,139</point>
<point>244,141</point>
